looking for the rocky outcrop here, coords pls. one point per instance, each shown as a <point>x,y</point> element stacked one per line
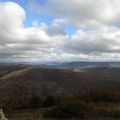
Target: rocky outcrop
<point>2,116</point>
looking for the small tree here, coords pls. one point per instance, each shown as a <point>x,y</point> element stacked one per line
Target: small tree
<point>49,101</point>
<point>36,102</point>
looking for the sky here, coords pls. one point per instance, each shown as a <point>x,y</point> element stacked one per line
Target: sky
<point>59,30</point>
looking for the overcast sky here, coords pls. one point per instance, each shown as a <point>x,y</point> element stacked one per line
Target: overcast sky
<point>59,30</point>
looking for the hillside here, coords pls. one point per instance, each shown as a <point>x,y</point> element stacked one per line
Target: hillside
<point>57,80</point>
<point>25,88</point>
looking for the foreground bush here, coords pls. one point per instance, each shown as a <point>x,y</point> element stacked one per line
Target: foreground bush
<point>49,101</point>
<point>69,109</point>
<point>36,102</point>
<point>109,113</point>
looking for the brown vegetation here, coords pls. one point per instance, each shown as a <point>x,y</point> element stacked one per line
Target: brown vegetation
<point>60,93</point>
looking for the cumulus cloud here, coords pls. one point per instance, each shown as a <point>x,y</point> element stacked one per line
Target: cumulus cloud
<point>83,12</point>
<point>18,42</point>
<point>97,36</point>
<point>97,24</point>
<point>95,41</point>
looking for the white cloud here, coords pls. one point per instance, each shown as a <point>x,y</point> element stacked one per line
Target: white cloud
<point>97,36</point>
<point>97,23</point>
<point>18,42</point>
<point>95,41</point>
<point>83,12</point>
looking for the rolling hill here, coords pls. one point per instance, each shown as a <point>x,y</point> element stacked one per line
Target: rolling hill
<point>57,81</point>
<point>20,83</point>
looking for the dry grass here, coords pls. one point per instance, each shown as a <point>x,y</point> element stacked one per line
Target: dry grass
<point>16,73</point>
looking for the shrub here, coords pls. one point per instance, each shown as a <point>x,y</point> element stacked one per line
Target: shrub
<point>36,102</point>
<point>69,109</point>
<point>49,101</point>
<point>109,113</point>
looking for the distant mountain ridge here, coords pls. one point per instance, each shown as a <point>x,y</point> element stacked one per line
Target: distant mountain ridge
<point>73,64</point>
<point>81,64</point>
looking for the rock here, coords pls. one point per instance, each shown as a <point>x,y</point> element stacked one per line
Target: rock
<point>2,116</point>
